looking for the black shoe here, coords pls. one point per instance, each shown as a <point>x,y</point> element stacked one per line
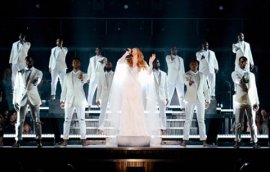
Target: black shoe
<point>64,143</point>
<point>184,143</point>
<point>57,143</point>
<point>256,146</point>
<point>17,144</point>
<point>84,142</point>
<point>205,145</point>
<point>52,97</point>
<point>236,145</point>
<point>39,144</point>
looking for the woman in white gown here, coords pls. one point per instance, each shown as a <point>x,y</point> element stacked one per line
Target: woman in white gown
<point>132,119</point>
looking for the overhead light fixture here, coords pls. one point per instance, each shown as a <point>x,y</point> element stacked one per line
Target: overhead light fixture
<point>125,6</point>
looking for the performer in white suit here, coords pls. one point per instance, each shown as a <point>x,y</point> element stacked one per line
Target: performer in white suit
<point>162,92</point>
<point>73,98</point>
<point>18,53</point>
<point>208,66</point>
<point>94,71</point>
<point>242,48</point>
<point>103,91</point>
<point>246,101</point>
<point>57,65</point>
<point>197,95</point>
<point>26,95</point>
<point>176,73</point>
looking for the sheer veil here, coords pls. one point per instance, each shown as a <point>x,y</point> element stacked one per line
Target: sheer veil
<point>115,102</point>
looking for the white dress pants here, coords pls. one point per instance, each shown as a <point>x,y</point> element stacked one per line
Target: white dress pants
<point>91,91</point>
<point>55,74</point>
<point>200,118</point>
<point>179,86</point>
<point>80,110</point>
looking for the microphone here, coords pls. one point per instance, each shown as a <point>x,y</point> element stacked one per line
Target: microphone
<point>128,49</point>
<point>130,52</point>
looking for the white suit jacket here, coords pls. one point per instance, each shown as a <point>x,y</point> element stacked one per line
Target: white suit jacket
<point>209,63</point>
<point>19,52</point>
<point>251,96</point>
<point>161,84</point>
<point>243,51</point>
<point>23,89</point>
<point>95,68</point>
<point>58,58</point>
<point>73,92</point>
<point>174,73</point>
<point>196,91</point>
<point>104,86</point>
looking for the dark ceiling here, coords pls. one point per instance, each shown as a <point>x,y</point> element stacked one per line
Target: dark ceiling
<point>135,8</point>
<point>148,24</point>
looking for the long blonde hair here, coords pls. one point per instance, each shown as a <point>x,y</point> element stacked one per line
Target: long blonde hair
<point>141,63</point>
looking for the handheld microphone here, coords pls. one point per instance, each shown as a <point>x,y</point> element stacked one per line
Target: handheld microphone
<point>130,54</point>
<point>128,49</point>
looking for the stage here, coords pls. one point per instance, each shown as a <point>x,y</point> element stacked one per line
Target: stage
<point>167,158</point>
<point>220,156</point>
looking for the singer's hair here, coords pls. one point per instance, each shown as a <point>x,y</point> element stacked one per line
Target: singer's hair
<point>141,63</point>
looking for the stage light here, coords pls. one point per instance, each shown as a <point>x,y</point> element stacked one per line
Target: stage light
<point>220,7</point>
<point>126,6</point>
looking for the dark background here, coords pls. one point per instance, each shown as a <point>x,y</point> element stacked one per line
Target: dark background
<point>151,25</point>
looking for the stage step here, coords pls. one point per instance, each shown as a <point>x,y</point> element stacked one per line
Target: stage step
<point>175,118</point>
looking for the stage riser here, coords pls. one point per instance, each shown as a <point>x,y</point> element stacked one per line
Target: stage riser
<point>175,120</point>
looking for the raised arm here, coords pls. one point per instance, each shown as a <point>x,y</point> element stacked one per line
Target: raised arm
<point>151,60</point>
<point>124,56</point>
<point>235,48</point>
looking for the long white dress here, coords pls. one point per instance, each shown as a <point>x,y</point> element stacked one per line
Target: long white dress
<point>131,118</point>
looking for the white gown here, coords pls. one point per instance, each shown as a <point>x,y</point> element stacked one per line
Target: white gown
<point>132,113</point>
<point>132,121</point>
